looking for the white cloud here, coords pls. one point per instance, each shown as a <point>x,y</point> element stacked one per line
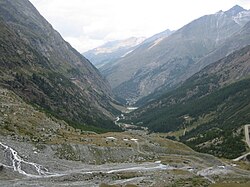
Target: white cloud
<point>83,43</point>
<point>89,23</point>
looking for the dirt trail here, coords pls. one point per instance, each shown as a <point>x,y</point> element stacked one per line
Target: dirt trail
<point>246,128</point>
<point>247,134</point>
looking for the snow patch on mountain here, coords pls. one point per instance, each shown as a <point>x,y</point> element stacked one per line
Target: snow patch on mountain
<point>127,53</point>
<point>110,47</point>
<point>242,18</point>
<point>156,43</point>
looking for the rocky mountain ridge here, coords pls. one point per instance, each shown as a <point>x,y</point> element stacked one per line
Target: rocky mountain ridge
<point>171,61</point>
<point>111,51</point>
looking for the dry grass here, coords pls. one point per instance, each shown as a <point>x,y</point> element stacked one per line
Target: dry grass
<point>230,185</point>
<point>127,185</point>
<point>164,142</point>
<point>107,185</point>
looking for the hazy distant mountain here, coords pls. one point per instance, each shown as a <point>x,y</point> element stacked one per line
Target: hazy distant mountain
<point>44,70</point>
<point>153,40</point>
<point>159,36</point>
<point>166,63</point>
<point>111,51</point>
<point>211,107</point>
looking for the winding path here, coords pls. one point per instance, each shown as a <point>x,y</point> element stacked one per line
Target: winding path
<point>246,128</point>
<point>247,134</point>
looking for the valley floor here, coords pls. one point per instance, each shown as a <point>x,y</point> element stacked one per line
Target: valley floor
<point>148,160</point>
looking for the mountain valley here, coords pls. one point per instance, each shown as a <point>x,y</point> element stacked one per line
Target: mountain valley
<point>50,152</point>
<point>169,110</point>
<point>213,104</point>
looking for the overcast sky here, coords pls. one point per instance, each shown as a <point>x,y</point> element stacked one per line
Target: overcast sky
<point>86,24</point>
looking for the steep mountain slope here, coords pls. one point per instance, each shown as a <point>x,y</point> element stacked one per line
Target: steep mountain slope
<point>168,62</point>
<point>209,108</point>
<point>233,43</point>
<point>38,65</point>
<point>112,51</point>
<point>151,41</point>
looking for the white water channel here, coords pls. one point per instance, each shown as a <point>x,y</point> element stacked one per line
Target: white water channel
<point>19,165</point>
<point>18,162</point>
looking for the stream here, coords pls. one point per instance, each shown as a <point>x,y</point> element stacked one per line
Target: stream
<point>18,164</point>
<point>34,170</point>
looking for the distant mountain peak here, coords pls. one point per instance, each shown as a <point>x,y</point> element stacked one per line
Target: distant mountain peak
<point>112,50</point>
<point>235,10</point>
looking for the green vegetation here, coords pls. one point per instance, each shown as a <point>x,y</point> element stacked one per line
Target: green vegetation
<point>66,151</point>
<point>191,182</point>
<point>208,111</point>
<point>230,184</point>
<point>230,108</point>
<point>57,96</point>
<point>107,185</point>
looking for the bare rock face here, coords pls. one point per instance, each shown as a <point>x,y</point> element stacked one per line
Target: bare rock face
<point>38,65</point>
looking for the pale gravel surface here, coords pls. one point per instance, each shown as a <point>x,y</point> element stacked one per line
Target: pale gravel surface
<point>65,172</point>
<point>79,174</point>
